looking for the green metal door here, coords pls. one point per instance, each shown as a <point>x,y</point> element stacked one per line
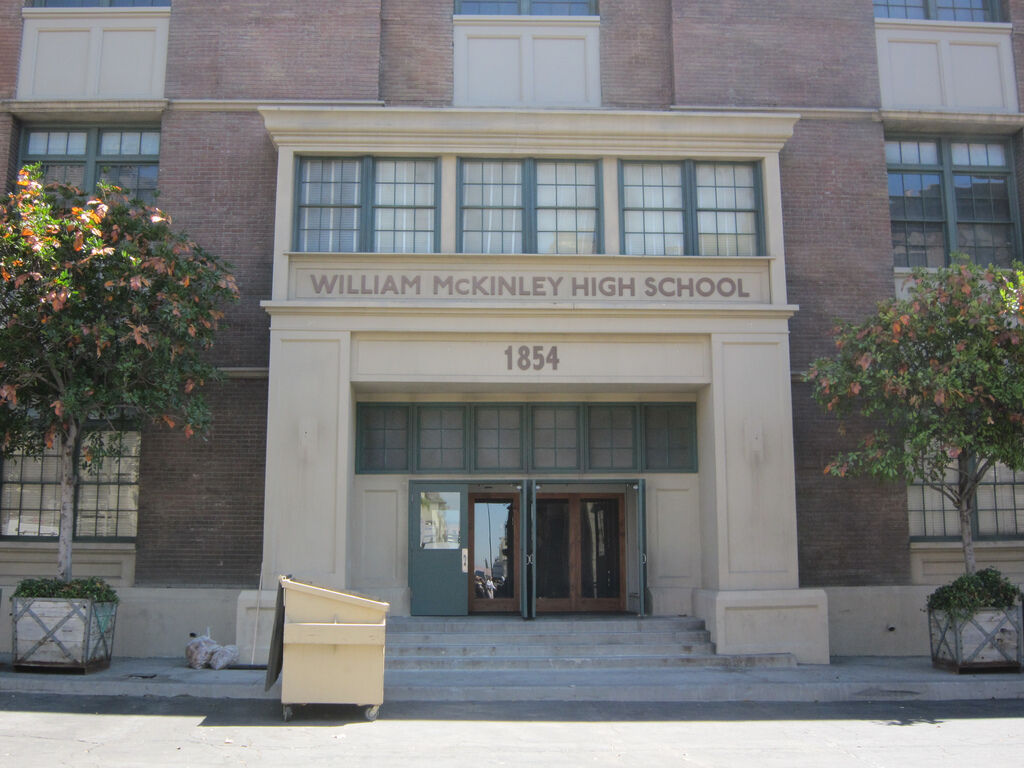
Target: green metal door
<point>439,549</point>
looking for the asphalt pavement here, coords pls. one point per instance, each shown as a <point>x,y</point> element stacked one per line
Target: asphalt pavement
<point>127,731</point>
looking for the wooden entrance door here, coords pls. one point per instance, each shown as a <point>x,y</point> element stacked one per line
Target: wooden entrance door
<point>494,581</point>
<point>581,552</point>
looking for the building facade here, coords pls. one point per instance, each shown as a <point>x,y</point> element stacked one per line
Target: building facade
<point>528,289</point>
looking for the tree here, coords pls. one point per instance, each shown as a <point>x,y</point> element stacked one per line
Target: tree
<point>939,378</point>
<point>106,314</point>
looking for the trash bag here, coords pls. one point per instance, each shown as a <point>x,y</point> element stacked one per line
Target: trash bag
<point>199,650</point>
<point>223,656</point>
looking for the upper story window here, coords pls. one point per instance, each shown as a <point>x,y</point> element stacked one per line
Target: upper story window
<point>683,208</point>
<point>382,205</point>
<point>529,206</point>
<point>106,499</point>
<point>951,195</point>
<point>943,10</point>
<point>527,7</point>
<point>99,3</point>
<point>82,157</point>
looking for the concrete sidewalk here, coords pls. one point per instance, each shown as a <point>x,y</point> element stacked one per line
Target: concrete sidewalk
<point>847,679</point>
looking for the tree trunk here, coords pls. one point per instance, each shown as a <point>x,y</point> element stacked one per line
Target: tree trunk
<point>67,451</point>
<point>964,511</point>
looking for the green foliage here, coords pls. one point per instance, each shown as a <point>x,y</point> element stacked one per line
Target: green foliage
<point>939,376</point>
<point>940,372</point>
<point>92,589</point>
<point>108,313</point>
<point>963,597</point>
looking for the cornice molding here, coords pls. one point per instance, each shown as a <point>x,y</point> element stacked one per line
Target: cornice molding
<point>515,133</point>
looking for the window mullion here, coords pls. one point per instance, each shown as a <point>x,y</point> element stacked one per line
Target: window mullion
<point>948,197</point>
<point>691,239</point>
<point>92,153</point>
<point>367,185</point>
<point>529,203</point>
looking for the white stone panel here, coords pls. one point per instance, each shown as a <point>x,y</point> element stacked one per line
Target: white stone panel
<point>93,53</point>
<point>516,61</point>
<point>126,63</point>
<point>946,66</point>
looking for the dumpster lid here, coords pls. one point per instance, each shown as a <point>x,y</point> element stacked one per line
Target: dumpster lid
<point>332,594</point>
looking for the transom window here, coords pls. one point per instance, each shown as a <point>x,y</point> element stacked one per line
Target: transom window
<point>951,195</point>
<point>543,437</point>
<point>943,10</point>
<point>81,157</point>
<point>528,7</point>
<point>998,511</point>
<point>106,499</point>
<point>382,205</point>
<point>529,206</point>
<point>684,208</point>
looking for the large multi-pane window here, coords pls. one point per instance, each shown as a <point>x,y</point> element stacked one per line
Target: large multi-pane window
<point>98,3</point>
<point>690,208</point>
<point>998,511</point>
<point>106,499</point>
<point>517,437</point>
<point>951,195</point>
<point>529,206</point>
<point>535,7</point>
<point>81,157</point>
<point>381,205</point>
<point>943,10</point>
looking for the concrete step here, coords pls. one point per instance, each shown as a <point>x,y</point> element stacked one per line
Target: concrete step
<point>545,624</point>
<point>579,662</point>
<point>502,649</point>
<point>403,639</point>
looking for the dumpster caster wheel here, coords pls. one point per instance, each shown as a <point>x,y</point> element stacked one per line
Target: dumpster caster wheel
<point>286,712</point>
<point>372,712</point>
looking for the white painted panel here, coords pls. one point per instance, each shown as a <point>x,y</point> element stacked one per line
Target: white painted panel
<point>93,53</point>
<point>560,71</point>
<point>977,78</point>
<point>126,63</point>
<point>915,73</point>
<point>378,542</point>
<point>675,529</point>
<point>946,66</point>
<point>493,71</point>
<point>60,63</point>
<point>527,61</point>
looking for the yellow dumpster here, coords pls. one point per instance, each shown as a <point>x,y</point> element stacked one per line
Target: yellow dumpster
<point>327,647</point>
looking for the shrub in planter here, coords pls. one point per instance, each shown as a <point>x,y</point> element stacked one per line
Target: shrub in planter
<point>63,624</point>
<point>975,623</point>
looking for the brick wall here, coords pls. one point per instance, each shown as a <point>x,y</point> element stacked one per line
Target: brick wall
<point>10,46</point>
<point>264,49</point>
<point>636,54</point>
<point>416,52</point>
<point>201,501</point>
<point>8,151</point>
<point>781,53</point>
<point>218,174</point>
<point>836,219</point>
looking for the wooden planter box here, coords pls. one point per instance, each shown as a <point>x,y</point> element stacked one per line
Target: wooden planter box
<point>991,639</point>
<point>62,634</point>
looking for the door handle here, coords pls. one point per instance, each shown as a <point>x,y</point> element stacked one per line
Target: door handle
<point>465,561</point>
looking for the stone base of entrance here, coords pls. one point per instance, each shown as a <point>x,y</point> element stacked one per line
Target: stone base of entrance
<point>767,621</point>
